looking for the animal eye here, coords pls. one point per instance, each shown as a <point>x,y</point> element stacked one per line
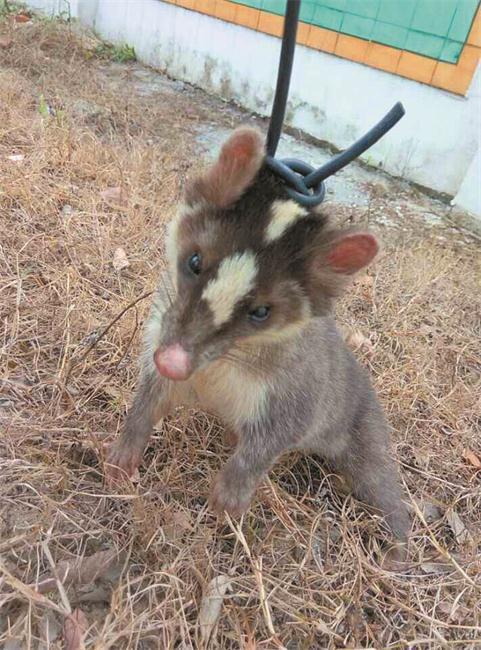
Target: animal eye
<point>260,314</point>
<point>195,263</point>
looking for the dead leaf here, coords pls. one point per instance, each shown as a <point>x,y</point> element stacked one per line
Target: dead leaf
<point>436,568</point>
<point>67,210</point>
<point>422,458</point>
<point>356,340</point>
<point>49,630</point>
<point>431,512</point>
<point>94,594</point>
<point>120,260</point>
<point>13,644</point>
<point>74,629</point>
<point>115,393</point>
<point>460,531</point>
<point>31,593</point>
<point>5,42</point>
<point>81,571</point>
<point>211,605</point>
<point>22,18</point>
<point>179,523</point>
<point>471,457</point>
<point>456,613</point>
<point>365,281</point>
<point>395,558</point>
<point>355,621</point>
<point>427,330</point>
<point>114,195</point>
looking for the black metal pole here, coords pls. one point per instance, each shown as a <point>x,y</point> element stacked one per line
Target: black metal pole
<point>303,183</point>
<point>356,149</point>
<point>283,76</point>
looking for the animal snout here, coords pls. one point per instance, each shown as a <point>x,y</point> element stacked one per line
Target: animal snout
<point>173,362</point>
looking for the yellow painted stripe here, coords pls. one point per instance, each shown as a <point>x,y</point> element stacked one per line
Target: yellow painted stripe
<point>448,76</point>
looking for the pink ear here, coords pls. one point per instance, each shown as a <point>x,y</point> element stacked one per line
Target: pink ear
<point>239,161</point>
<point>242,149</point>
<point>352,252</point>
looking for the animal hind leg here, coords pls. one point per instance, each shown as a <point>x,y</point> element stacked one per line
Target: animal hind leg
<point>373,478</point>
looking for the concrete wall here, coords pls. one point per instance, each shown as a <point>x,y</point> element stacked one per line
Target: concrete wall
<point>436,144</point>
<point>469,194</point>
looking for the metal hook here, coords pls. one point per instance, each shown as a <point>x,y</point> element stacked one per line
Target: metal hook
<point>304,183</point>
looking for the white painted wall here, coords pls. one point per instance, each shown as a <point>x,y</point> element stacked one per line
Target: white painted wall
<point>469,194</point>
<point>56,7</point>
<point>436,144</point>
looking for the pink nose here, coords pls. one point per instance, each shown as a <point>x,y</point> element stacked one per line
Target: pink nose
<point>173,362</point>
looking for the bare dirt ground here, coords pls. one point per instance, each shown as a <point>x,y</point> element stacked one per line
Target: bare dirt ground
<point>92,160</point>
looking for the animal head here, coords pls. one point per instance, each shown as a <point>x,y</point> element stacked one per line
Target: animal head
<point>249,265</point>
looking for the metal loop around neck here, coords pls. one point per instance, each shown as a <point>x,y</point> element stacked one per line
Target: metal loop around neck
<point>294,172</point>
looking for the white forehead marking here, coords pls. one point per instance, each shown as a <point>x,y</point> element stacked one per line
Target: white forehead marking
<point>283,215</point>
<point>235,278</point>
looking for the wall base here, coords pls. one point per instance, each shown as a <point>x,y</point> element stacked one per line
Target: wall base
<point>435,145</point>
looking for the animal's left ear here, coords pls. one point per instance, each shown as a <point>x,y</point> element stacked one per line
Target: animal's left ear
<point>338,257</point>
<point>239,161</point>
<point>351,253</point>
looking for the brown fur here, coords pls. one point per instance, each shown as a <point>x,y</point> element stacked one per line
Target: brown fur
<point>239,161</point>
<point>286,383</point>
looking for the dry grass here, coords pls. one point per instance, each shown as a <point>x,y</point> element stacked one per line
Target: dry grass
<point>303,562</point>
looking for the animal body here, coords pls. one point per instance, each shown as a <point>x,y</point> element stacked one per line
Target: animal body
<point>249,335</point>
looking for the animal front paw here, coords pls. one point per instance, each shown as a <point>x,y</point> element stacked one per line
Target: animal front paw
<point>122,461</point>
<point>230,497</point>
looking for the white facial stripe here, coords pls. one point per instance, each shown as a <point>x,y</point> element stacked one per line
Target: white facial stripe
<point>235,278</point>
<point>283,215</point>
<point>153,325</point>
<point>171,238</point>
<point>171,244</point>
